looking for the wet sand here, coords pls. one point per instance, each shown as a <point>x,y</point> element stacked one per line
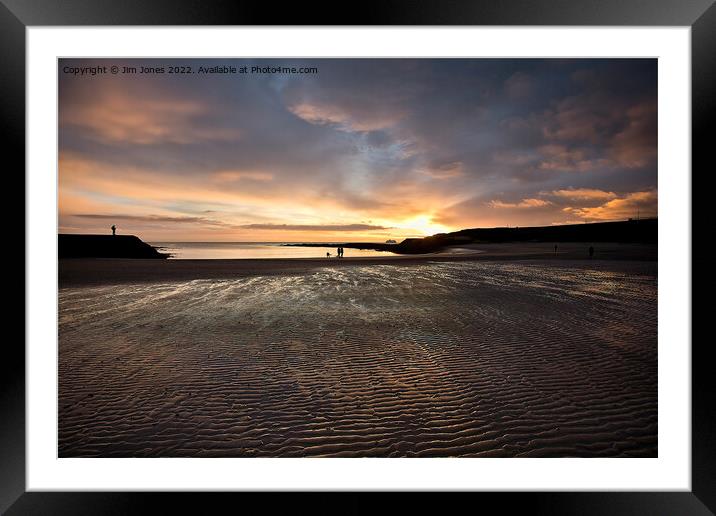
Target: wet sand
<point>446,356</point>
<point>98,271</point>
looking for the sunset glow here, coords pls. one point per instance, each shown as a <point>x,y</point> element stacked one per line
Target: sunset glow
<point>363,150</point>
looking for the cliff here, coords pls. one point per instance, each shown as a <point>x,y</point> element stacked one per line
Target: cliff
<point>643,231</point>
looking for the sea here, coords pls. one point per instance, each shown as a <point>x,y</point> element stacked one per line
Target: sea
<point>234,250</point>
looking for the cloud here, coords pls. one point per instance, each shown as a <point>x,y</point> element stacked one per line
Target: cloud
<point>582,118</point>
<point>523,204</point>
<point>519,85</point>
<point>584,194</point>
<point>630,205</point>
<point>463,142</point>
<point>118,116</point>
<point>445,170</point>
<point>227,176</point>
<point>516,158</point>
<point>212,222</point>
<point>149,218</point>
<point>562,206</point>
<point>315,227</point>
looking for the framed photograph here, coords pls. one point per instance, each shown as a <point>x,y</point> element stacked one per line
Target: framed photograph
<point>435,250</point>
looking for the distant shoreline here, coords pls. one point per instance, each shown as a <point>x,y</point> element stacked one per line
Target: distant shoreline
<point>628,231</point>
<point>643,231</point>
<point>89,272</point>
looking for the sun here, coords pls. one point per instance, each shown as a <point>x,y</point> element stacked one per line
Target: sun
<point>424,225</point>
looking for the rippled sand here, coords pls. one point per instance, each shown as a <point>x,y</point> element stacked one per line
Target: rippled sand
<point>441,359</point>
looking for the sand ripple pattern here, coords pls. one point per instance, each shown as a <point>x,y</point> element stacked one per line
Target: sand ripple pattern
<point>441,359</point>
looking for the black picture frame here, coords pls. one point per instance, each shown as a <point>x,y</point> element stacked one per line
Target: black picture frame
<point>700,15</point>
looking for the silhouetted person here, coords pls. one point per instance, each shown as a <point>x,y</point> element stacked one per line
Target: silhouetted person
<point>591,251</point>
<point>338,252</point>
<point>114,229</point>
<point>555,249</point>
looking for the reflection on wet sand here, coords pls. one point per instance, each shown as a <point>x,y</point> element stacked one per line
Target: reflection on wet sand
<point>438,359</point>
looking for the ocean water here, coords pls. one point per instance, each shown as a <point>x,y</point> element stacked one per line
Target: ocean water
<point>233,250</point>
<point>441,359</point>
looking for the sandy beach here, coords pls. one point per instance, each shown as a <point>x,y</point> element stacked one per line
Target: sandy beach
<point>512,352</point>
<point>79,272</point>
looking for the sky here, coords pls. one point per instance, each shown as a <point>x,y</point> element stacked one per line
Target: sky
<point>355,149</point>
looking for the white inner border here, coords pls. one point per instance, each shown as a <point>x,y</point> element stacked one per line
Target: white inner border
<point>671,470</point>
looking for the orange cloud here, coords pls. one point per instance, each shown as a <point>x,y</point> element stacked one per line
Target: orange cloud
<point>149,202</point>
<point>644,203</point>
<point>635,145</point>
<point>524,203</point>
<point>446,171</point>
<point>226,176</point>
<point>116,116</point>
<point>151,186</point>
<point>559,157</point>
<point>584,194</point>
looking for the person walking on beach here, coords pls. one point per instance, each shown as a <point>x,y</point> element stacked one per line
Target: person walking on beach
<point>338,252</point>
<point>555,249</point>
<point>114,229</point>
<point>591,251</point>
